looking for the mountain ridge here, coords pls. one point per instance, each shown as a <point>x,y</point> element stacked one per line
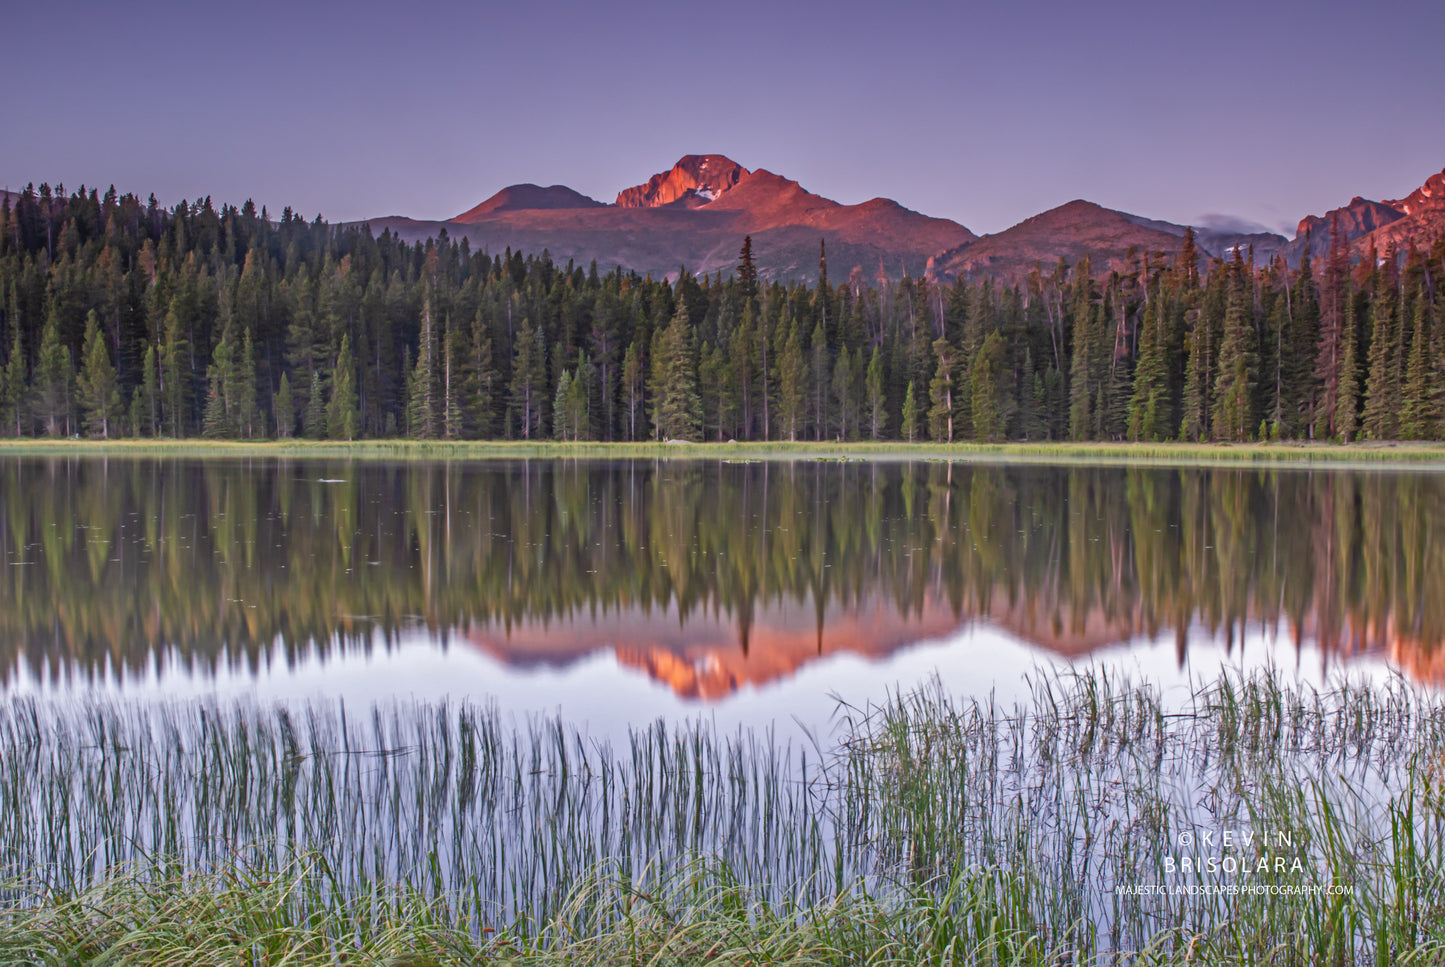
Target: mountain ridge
<point>694,215</point>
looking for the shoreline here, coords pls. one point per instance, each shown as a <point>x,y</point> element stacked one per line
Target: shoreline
<point>1314,455</point>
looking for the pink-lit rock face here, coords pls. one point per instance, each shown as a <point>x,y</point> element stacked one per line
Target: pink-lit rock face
<point>699,178</point>
<point>1430,195</point>
<point>1360,217</point>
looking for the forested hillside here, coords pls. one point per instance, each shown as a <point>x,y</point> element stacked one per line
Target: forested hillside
<point>121,318</point>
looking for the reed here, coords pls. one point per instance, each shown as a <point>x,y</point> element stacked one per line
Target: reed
<point>927,829</point>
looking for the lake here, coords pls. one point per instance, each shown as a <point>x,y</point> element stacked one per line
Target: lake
<point>616,591</point>
<point>527,688</point>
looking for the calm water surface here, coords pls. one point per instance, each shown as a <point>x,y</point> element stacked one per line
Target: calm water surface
<point>616,591</point>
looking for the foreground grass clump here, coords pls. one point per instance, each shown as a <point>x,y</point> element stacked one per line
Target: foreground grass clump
<point>928,830</point>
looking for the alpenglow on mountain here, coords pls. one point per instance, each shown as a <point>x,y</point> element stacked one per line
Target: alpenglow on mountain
<point>694,216</point>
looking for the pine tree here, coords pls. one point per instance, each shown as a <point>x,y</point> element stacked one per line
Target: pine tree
<point>343,417</point>
<point>986,390</point>
<point>1419,412</point>
<point>561,423</point>
<point>570,415</point>
<point>909,428</point>
<point>792,384</point>
<point>940,392</point>
<point>1031,423</point>
<point>216,418</point>
<point>313,418</point>
<point>747,273</point>
<point>1331,343</point>
<point>711,389</point>
<point>424,409</point>
<point>1381,411</point>
<point>1300,384</point>
<point>480,387</point>
<point>1086,370</point>
<point>529,381</point>
<point>1194,423</point>
<point>175,385</point>
<point>145,406</point>
<point>285,409</point>
<point>50,388</point>
<point>632,389</point>
<point>1147,404</point>
<point>819,379</point>
<point>742,352</point>
<point>1349,399</point>
<point>877,403</point>
<point>845,401</point>
<point>243,394</point>
<point>676,406</point>
<point>1233,416</point>
<point>14,390</point>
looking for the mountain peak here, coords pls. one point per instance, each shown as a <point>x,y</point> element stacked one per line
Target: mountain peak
<point>528,198</point>
<point>1430,195</point>
<point>695,180</point>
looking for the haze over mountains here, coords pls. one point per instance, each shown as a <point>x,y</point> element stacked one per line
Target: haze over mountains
<point>695,215</point>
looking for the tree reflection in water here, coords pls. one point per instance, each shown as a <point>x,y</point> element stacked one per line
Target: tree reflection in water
<point>706,574</point>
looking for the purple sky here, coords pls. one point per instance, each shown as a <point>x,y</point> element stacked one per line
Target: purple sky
<point>981,112</point>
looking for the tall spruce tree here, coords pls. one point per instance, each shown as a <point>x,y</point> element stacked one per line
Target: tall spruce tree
<point>14,389</point>
<point>97,389</point>
<point>1419,412</point>
<point>632,397</point>
<point>941,392</point>
<point>343,415</point>
<point>175,381</point>
<point>529,382</point>
<point>244,389</point>
<point>284,407</point>
<point>51,385</point>
<point>676,405</point>
<point>909,421</point>
<point>1380,421</point>
<point>313,417</point>
<point>1349,398</point>
<point>1301,384</point>
<point>986,390</point>
<point>1194,422</point>
<point>877,402</point>
<point>216,417</point>
<point>1330,357</point>
<point>1234,387</point>
<point>792,384</point>
<point>1148,405</point>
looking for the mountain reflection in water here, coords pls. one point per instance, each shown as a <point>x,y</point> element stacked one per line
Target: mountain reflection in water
<point>707,575</point>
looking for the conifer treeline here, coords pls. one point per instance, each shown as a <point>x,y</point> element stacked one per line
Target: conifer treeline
<point>120,318</point>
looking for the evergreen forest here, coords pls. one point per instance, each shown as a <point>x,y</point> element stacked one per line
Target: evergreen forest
<point>121,318</point>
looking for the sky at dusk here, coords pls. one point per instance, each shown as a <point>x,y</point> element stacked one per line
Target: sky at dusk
<point>983,113</point>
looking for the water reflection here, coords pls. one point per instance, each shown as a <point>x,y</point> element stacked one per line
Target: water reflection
<point>707,575</point>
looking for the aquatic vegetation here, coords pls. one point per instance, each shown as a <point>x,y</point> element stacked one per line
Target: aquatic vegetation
<point>930,828</point>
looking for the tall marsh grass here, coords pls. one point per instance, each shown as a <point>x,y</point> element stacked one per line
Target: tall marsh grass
<point>929,829</point>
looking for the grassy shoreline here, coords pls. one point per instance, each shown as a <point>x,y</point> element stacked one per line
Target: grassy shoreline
<point>1422,455</point>
<point>938,830</point>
